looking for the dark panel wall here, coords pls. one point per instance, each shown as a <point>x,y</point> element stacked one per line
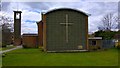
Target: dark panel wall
<point>56,33</point>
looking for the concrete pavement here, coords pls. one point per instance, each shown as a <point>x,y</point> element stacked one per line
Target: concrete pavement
<point>4,51</point>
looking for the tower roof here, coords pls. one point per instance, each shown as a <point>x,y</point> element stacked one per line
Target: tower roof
<point>18,11</point>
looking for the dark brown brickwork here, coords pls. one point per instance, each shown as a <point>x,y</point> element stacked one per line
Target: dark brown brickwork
<point>29,40</point>
<point>40,33</point>
<point>44,32</point>
<point>17,28</point>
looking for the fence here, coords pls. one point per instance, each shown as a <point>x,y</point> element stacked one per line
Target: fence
<point>108,44</point>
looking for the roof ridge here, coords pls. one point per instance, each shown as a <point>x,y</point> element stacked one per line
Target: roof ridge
<point>66,8</point>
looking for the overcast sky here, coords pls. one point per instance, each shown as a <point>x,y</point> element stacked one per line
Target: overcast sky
<point>31,11</point>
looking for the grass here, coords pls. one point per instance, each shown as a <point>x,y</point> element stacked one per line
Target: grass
<point>35,57</point>
<point>0,48</point>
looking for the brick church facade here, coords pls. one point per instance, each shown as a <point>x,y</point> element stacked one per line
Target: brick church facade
<point>60,30</point>
<point>51,24</point>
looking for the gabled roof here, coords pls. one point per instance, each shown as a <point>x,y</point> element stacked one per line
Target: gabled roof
<point>30,34</point>
<point>39,22</point>
<point>18,11</point>
<point>67,9</point>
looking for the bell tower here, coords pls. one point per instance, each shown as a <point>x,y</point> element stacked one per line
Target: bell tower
<point>17,28</point>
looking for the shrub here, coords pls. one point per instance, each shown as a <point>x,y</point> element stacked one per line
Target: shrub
<point>93,47</point>
<point>24,46</point>
<point>99,47</point>
<point>4,45</point>
<point>118,46</point>
<point>3,55</point>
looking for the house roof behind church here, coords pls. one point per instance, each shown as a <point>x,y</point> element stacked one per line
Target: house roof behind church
<point>30,34</point>
<point>66,9</point>
<point>117,36</point>
<point>95,38</point>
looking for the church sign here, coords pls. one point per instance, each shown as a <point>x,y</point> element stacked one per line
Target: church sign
<point>65,30</point>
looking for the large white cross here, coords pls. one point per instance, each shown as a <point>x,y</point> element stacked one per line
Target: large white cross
<point>66,25</point>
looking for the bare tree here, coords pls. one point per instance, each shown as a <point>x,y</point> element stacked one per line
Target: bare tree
<point>107,22</point>
<point>118,25</point>
<point>4,23</point>
<point>117,19</point>
<point>6,29</point>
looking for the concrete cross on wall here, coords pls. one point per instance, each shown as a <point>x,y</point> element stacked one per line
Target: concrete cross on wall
<point>66,27</point>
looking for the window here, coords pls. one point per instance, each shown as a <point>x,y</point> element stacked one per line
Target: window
<point>17,16</point>
<point>93,42</point>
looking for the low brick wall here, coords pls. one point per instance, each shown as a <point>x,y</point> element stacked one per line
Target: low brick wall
<point>29,40</point>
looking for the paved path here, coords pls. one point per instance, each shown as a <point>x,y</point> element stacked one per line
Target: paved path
<point>4,51</point>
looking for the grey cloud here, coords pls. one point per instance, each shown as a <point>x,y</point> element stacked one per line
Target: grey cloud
<point>5,6</point>
<point>102,7</point>
<point>96,9</point>
<point>38,5</point>
<point>48,5</point>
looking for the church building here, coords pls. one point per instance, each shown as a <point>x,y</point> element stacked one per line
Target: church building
<point>63,29</point>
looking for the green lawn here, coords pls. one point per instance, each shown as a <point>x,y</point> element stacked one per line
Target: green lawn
<point>0,48</point>
<point>35,57</point>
